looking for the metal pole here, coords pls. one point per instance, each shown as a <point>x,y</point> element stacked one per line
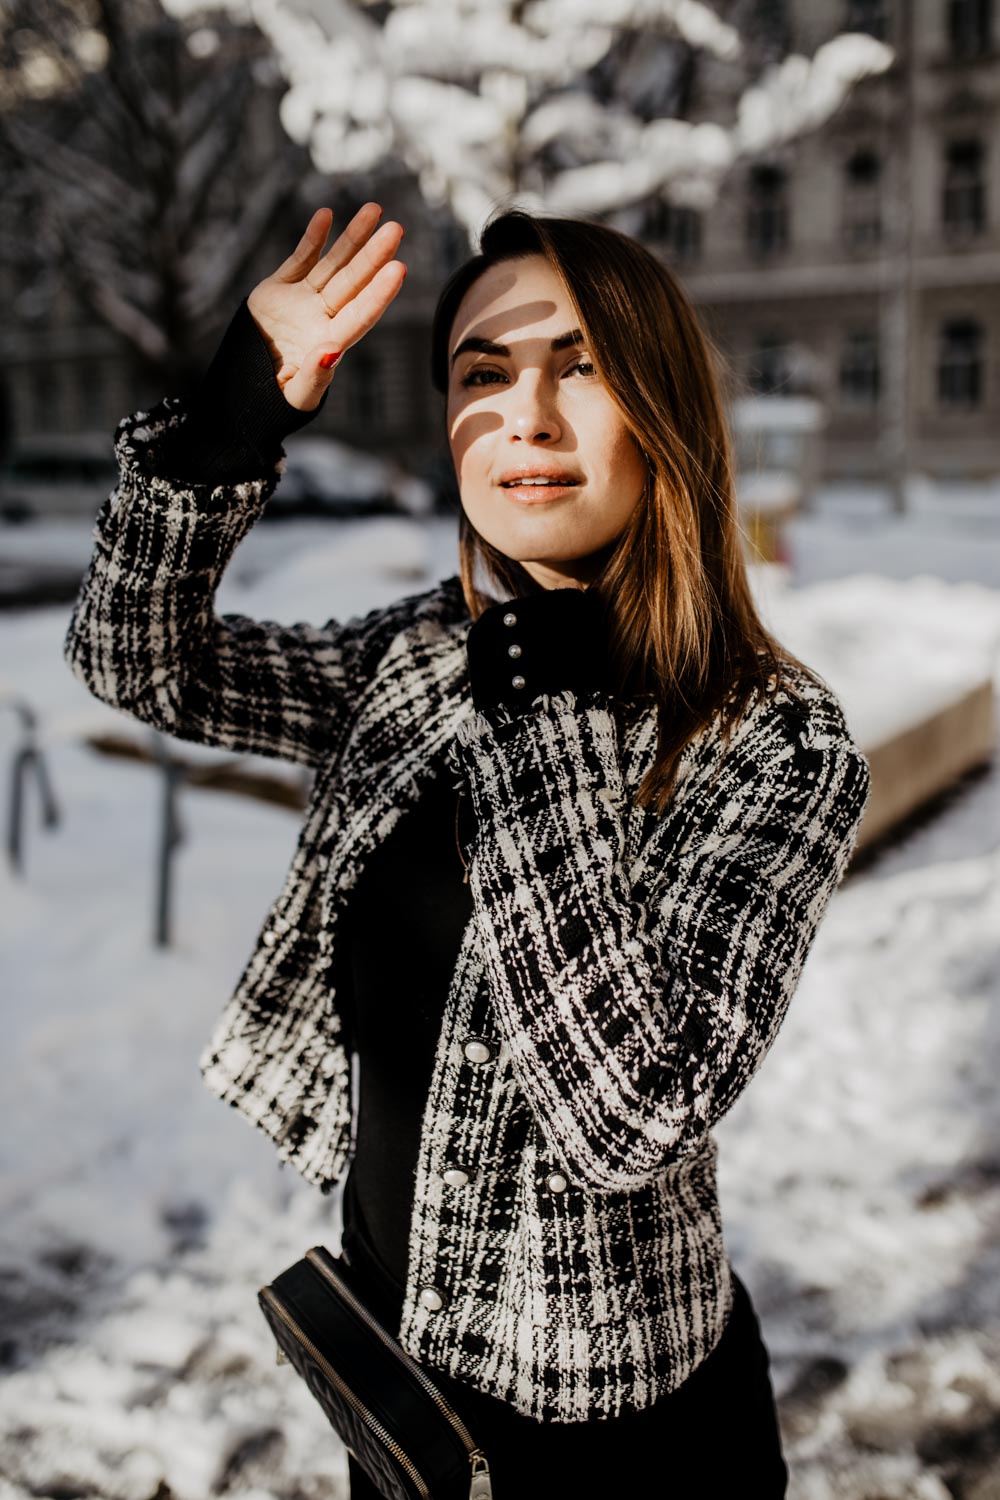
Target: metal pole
<point>28,757</point>
<point>171,834</point>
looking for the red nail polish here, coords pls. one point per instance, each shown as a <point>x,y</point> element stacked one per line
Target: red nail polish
<point>329,360</point>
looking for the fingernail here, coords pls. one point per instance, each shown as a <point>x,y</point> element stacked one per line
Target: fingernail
<point>329,360</point>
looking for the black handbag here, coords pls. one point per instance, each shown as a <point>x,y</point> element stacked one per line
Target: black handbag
<point>388,1412</point>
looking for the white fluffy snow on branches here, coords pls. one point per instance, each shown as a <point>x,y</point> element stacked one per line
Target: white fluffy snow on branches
<point>489,101</point>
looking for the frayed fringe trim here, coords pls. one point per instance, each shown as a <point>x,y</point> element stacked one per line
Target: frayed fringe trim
<point>455,766</point>
<point>486,722</point>
<point>147,426</point>
<point>483,723</point>
<point>142,428</point>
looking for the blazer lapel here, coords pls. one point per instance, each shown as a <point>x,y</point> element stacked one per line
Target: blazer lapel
<point>407,717</point>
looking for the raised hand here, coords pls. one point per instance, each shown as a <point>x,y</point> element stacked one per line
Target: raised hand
<point>317,305</point>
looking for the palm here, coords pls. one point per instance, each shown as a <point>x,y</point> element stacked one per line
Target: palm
<point>314,302</point>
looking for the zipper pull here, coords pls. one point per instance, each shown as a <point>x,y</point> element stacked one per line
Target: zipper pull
<point>280,1357</point>
<point>480,1488</point>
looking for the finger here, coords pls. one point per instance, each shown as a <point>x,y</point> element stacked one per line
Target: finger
<point>363,312</point>
<point>305,388</point>
<point>309,248</point>
<point>346,246</point>
<point>360,270</point>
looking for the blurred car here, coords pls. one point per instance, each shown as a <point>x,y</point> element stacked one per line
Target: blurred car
<point>58,474</point>
<point>324,477</point>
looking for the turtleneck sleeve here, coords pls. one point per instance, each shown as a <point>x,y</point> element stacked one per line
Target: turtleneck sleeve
<point>238,417</point>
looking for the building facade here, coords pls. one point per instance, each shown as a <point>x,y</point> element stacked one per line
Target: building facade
<point>64,372</point>
<point>861,263</point>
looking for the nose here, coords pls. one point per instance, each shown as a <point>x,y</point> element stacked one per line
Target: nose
<point>532,416</point>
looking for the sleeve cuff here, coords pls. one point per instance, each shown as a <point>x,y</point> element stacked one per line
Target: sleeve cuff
<point>239,417</point>
<point>542,643</point>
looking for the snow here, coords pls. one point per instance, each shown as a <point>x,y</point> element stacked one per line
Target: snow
<point>858,1174</point>
<point>896,652</point>
<point>801,93</point>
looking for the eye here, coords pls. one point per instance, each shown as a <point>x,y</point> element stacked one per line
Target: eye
<point>490,377</point>
<point>470,379</point>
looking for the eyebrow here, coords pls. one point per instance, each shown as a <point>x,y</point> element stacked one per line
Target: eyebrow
<point>486,346</point>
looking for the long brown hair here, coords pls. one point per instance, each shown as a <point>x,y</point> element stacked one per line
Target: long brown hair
<point>683,626</point>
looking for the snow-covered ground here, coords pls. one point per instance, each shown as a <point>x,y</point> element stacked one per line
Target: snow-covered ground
<point>860,1173</point>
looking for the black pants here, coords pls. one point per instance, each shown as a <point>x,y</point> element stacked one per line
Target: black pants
<point>715,1436</point>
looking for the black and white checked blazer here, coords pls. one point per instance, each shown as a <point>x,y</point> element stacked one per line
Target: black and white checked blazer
<point>624,973</point>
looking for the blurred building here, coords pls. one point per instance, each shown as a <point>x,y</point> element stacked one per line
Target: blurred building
<point>66,373</point>
<point>861,263</point>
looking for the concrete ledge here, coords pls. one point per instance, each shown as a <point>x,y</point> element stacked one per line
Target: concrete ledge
<point>921,761</point>
<point>908,769</point>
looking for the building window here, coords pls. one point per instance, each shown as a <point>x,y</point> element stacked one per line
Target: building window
<point>767,212</point>
<point>769,371</point>
<point>960,364</point>
<point>969,27</point>
<point>675,227</point>
<point>863,200</point>
<point>45,413</point>
<point>453,243</point>
<point>866,15</point>
<point>90,399</point>
<point>364,406</point>
<point>964,201</point>
<point>859,369</point>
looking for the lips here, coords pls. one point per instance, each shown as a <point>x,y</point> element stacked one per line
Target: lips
<point>537,478</point>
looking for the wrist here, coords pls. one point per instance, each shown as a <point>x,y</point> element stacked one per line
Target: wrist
<point>240,393</point>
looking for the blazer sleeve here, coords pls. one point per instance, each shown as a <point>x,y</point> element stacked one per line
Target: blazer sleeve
<point>638,1004</point>
<point>144,636</point>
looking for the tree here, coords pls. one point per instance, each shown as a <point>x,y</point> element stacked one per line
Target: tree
<point>566,105</point>
<point>136,169</point>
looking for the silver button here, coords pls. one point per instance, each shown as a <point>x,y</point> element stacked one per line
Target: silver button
<point>517,681</point>
<point>477,1052</point>
<point>510,618</point>
<point>557,1182</point>
<point>514,650</point>
<point>269,938</point>
<point>431,1298</point>
<point>455,1176</point>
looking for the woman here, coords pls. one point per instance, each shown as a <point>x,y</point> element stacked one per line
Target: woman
<point>575,819</point>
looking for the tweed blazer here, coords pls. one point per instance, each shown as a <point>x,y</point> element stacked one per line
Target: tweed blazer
<point>620,980</point>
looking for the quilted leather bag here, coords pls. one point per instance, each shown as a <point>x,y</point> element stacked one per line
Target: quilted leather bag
<point>388,1412</point>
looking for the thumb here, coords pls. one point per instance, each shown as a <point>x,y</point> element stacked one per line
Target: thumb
<point>306,387</point>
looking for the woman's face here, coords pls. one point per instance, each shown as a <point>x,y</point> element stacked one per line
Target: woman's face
<point>524,400</point>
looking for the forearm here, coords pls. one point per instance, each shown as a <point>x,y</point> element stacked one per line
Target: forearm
<point>638,1008</point>
<point>144,637</point>
<point>161,547</point>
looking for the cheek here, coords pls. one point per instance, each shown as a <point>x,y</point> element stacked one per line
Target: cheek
<point>625,462</point>
<point>459,442</point>
<point>469,431</point>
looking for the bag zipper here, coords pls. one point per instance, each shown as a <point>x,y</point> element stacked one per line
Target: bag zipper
<point>480,1488</point>
<point>370,1420</point>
